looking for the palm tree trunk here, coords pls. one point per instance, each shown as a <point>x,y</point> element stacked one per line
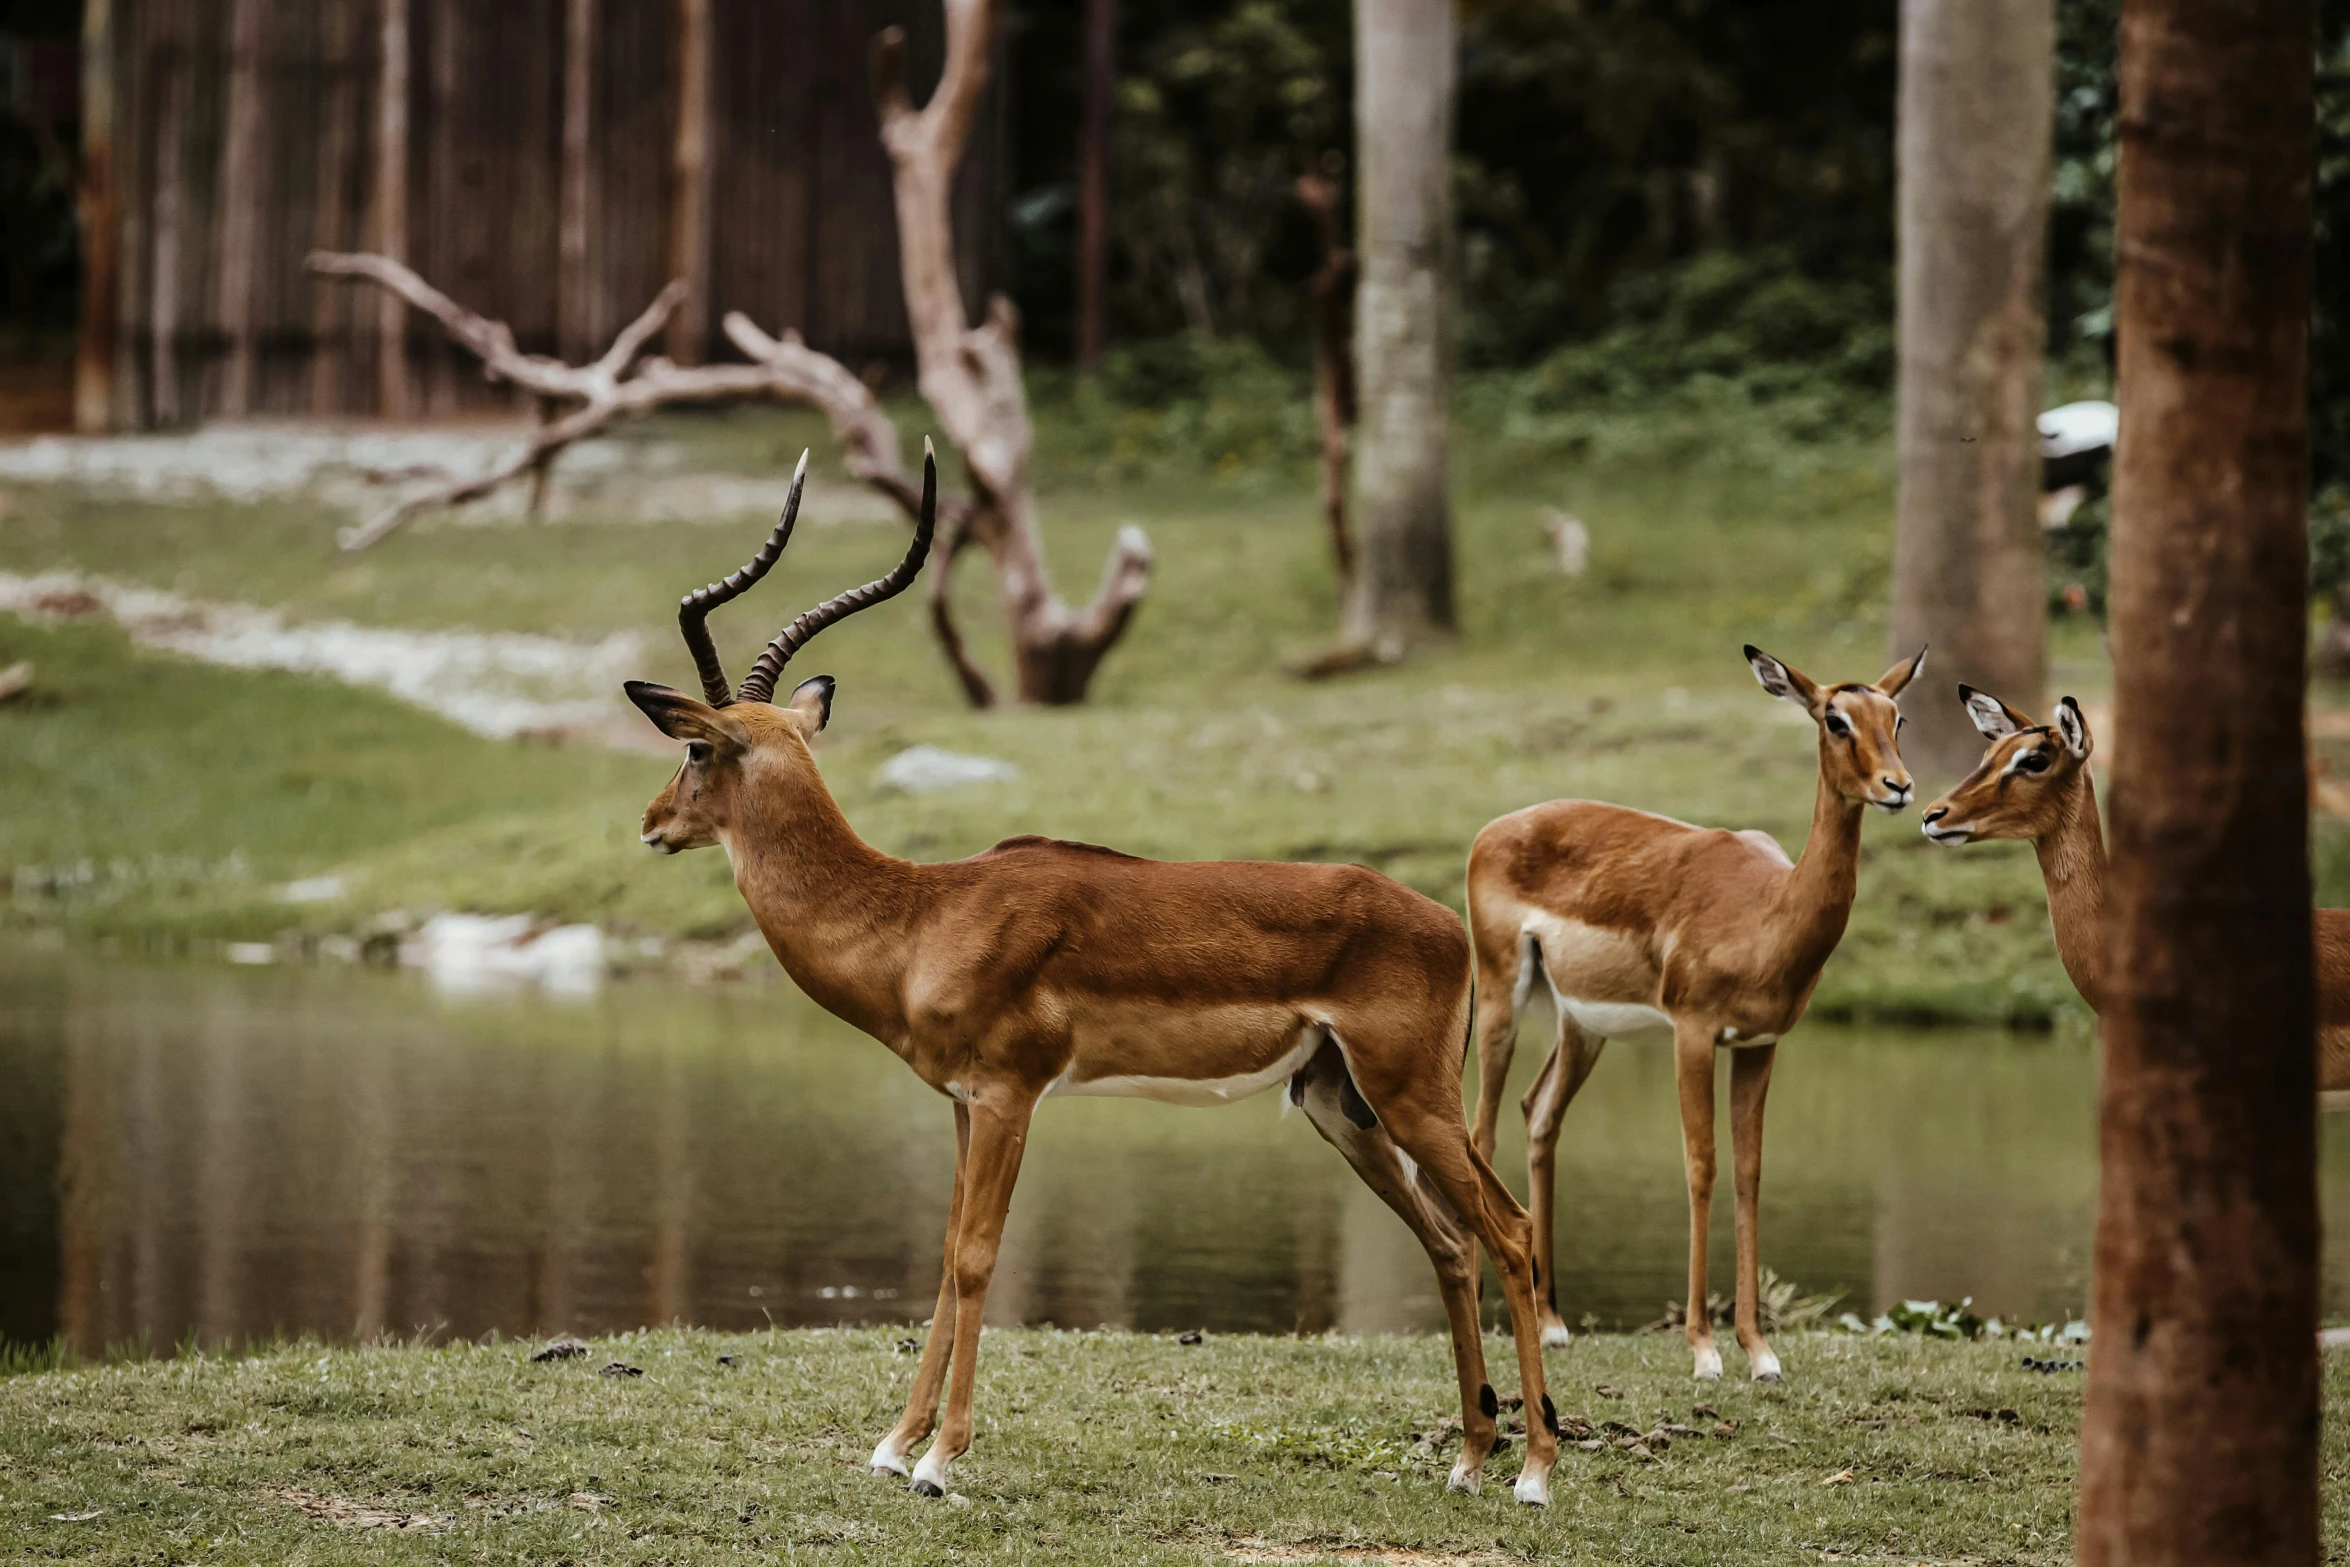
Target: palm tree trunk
<point>2199,1441</point>
<point>1405,70</point>
<point>1977,91</point>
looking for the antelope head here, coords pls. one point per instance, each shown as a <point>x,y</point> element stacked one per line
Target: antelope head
<point>743,738</point>
<point>1860,727</point>
<point>2024,783</point>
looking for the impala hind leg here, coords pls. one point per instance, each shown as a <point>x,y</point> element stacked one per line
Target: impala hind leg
<point>999,1134</point>
<point>1545,1104</point>
<point>1426,1122</point>
<point>893,1455</point>
<point>1750,1081</point>
<point>1320,1088</point>
<point>1506,965</point>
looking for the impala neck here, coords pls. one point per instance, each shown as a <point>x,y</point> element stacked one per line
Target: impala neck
<point>831,905</point>
<point>2072,862</point>
<point>1817,897</point>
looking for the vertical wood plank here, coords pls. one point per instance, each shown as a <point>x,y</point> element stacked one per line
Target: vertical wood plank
<point>689,218</point>
<point>577,329</point>
<point>239,204</point>
<point>170,209</point>
<point>330,230</point>
<point>391,202</point>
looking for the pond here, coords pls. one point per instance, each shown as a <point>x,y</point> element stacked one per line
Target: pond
<point>194,1152</point>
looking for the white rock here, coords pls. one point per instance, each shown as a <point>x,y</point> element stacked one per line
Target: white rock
<point>254,953</point>
<point>475,952</point>
<point>922,769</point>
<point>313,889</point>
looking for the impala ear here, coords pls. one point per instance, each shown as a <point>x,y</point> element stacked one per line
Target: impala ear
<point>1788,685</point>
<point>812,700</point>
<point>2073,729</point>
<point>682,717</point>
<point>1894,680</point>
<point>1993,719</point>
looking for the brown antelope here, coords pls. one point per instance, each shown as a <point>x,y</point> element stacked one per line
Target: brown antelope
<point>1648,928</point>
<point>2034,784</point>
<point>1043,968</point>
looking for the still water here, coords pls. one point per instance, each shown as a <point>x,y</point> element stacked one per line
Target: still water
<point>220,1154</point>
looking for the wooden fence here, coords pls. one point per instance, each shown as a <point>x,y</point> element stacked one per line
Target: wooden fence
<point>550,163</point>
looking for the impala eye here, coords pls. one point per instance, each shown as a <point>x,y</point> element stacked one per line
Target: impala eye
<point>1837,726</point>
<point>2032,762</point>
<point>697,752</point>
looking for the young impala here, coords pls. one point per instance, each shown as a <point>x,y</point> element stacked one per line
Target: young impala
<point>1645,927</point>
<point>2034,784</point>
<point>1042,968</point>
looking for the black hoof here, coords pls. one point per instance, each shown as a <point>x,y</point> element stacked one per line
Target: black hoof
<point>925,1488</point>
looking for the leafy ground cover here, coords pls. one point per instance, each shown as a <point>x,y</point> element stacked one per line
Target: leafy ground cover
<point>1092,1447</point>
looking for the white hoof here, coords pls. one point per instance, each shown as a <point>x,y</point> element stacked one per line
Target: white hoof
<point>1556,1336</point>
<point>930,1475</point>
<point>888,1460</point>
<point>1465,1480</point>
<point>1709,1364</point>
<point>1532,1490</point>
<point>1763,1366</point>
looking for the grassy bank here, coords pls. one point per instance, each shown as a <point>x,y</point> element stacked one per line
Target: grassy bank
<point>163,801</point>
<point>1091,1448</point>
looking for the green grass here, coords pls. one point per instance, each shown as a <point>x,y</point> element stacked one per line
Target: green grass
<point>190,795</point>
<point>1091,1448</point>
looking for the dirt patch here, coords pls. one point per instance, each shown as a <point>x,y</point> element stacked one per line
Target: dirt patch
<point>345,1513</point>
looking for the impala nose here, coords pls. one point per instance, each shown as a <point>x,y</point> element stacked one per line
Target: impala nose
<point>1935,815</point>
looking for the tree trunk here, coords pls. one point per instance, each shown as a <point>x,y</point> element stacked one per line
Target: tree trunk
<point>689,215</point>
<point>339,136</point>
<point>575,283</point>
<point>1977,91</point>
<point>1093,179</point>
<point>1405,58</point>
<point>93,380</point>
<point>2199,1443</point>
<point>240,204</point>
<point>163,311</point>
<point>391,206</point>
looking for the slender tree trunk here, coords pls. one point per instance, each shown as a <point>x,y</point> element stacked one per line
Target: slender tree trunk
<point>93,377</point>
<point>163,312</point>
<point>689,219</point>
<point>575,300</point>
<point>329,226</point>
<point>391,206</point>
<point>240,204</point>
<point>1093,180</point>
<point>2200,1439</point>
<point>1977,99</point>
<point>1404,79</point>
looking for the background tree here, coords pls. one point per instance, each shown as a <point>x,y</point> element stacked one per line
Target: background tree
<point>2199,1441</point>
<point>1977,82</point>
<point>1405,70</point>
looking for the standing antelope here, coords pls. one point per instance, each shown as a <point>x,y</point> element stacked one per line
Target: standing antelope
<point>1042,968</point>
<point>2033,783</point>
<point>1645,927</point>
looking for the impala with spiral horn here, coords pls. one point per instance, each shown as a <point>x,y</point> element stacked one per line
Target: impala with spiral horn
<point>1043,968</point>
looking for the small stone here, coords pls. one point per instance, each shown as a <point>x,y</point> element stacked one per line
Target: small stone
<point>620,1368</point>
<point>561,1349</point>
<point>1195,1336</point>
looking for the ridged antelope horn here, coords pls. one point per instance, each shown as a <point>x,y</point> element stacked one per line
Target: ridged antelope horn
<point>759,684</point>
<point>693,611</point>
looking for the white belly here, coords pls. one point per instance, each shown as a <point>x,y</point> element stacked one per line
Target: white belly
<point>1616,1019</point>
<point>1194,1090</point>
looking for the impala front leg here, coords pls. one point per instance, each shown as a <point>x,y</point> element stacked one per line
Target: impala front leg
<point>999,1133</point>
<point>1693,1063</point>
<point>922,1405</point>
<point>1750,1080</point>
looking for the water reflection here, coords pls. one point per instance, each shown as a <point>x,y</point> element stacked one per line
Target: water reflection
<point>225,1154</point>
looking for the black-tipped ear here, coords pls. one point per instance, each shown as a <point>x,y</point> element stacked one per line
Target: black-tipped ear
<point>679,716</point>
<point>1786,684</point>
<point>813,699</point>
<point>1992,718</point>
<point>2073,728</point>
<point>1894,680</point>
